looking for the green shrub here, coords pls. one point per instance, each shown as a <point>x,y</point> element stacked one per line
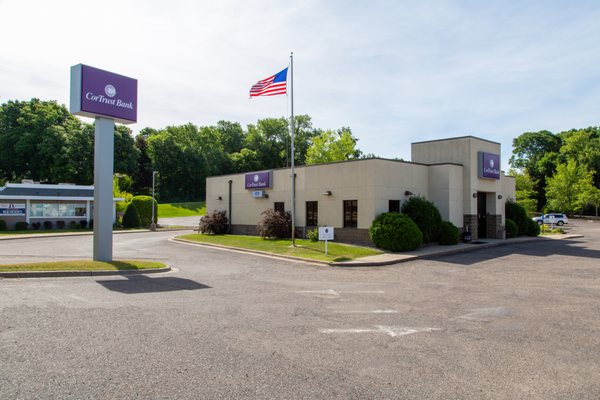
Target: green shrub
<point>143,205</point>
<point>21,226</point>
<point>275,224</point>
<point>47,224</point>
<point>426,215</point>
<point>214,223</point>
<point>2,225</point>
<point>83,224</point>
<point>518,215</point>
<point>512,230</point>
<point>533,229</point>
<point>36,225</point>
<point>60,224</point>
<point>73,225</point>
<point>449,234</point>
<point>395,232</point>
<point>313,235</point>
<point>131,218</point>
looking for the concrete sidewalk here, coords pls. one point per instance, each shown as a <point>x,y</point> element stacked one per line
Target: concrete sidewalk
<point>437,250</point>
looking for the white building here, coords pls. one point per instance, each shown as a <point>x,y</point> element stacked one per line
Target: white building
<point>34,202</point>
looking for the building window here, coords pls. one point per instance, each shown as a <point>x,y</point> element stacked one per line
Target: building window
<point>56,210</point>
<point>279,207</point>
<point>350,213</point>
<point>312,213</point>
<point>394,206</point>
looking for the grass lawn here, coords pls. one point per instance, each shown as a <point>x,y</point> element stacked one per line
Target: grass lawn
<point>82,265</point>
<point>304,248</point>
<point>170,210</point>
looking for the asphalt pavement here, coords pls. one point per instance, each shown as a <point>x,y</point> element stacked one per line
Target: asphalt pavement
<point>518,321</point>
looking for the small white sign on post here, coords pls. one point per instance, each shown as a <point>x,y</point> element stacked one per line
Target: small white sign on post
<point>326,234</point>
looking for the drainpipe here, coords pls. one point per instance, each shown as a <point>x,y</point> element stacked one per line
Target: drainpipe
<point>229,211</point>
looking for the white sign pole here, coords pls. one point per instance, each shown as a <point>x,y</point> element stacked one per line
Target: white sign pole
<point>103,190</point>
<point>326,246</point>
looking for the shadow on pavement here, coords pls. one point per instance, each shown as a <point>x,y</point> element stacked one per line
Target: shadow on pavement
<point>144,284</point>
<point>544,248</point>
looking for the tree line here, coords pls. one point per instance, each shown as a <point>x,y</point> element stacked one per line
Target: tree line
<point>558,172</point>
<point>42,141</point>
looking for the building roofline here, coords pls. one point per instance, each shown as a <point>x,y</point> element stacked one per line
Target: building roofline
<point>336,162</point>
<point>456,138</point>
<point>49,186</point>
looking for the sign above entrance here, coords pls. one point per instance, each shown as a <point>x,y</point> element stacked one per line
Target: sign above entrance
<point>99,93</point>
<point>258,180</point>
<point>489,165</point>
<point>12,208</point>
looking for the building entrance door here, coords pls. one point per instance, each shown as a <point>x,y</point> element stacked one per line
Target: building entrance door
<point>481,215</point>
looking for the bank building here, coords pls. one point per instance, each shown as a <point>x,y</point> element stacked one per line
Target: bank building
<point>461,176</point>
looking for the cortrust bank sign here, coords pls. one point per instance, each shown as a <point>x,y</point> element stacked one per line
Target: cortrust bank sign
<point>95,92</point>
<point>489,165</point>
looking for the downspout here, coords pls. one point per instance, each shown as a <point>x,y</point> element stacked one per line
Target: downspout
<point>229,211</point>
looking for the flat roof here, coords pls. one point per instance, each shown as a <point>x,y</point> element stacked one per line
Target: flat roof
<point>457,138</point>
<point>338,162</point>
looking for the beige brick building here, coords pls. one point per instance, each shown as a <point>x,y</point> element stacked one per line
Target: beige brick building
<point>460,175</point>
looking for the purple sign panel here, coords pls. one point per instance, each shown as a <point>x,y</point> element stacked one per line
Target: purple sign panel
<point>489,165</point>
<point>258,180</point>
<point>99,93</point>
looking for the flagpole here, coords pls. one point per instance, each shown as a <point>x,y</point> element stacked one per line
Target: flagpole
<point>293,173</point>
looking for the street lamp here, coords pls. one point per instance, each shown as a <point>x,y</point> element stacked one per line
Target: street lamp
<point>152,224</point>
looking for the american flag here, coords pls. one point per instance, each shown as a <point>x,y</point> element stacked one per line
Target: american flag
<point>271,86</point>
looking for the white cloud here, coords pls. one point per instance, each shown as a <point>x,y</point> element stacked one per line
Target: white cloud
<point>395,72</point>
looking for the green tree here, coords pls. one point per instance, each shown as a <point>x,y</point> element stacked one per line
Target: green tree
<point>583,146</point>
<point>33,137</point>
<point>126,153</point>
<point>142,178</point>
<point>536,154</point>
<point>231,136</point>
<point>566,189</point>
<point>525,191</point>
<point>332,146</point>
<point>244,161</point>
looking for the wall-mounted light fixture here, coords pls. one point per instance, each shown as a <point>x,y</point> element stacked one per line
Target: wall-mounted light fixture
<point>327,193</point>
<point>408,193</point>
<point>475,195</point>
<point>219,198</point>
<point>499,197</point>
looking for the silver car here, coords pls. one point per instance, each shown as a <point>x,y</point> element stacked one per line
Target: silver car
<point>552,219</point>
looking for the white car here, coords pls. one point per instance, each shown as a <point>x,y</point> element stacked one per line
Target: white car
<point>552,219</point>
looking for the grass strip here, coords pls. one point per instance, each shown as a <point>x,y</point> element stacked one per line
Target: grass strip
<point>304,248</point>
<point>82,265</point>
<point>189,209</point>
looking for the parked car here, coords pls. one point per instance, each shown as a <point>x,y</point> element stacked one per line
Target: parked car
<point>555,219</point>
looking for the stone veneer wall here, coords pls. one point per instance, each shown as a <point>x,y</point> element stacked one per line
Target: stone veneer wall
<point>353,235</point>
<point>470,220</point>
<point>494,226</point>
<point>343,235</point>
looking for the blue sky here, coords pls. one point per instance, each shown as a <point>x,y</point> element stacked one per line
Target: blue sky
<point>394,71</point>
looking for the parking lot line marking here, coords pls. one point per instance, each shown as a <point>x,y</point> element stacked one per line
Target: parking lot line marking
<point>368,312</point>
<point>393,331</point>
<point>331,292</point>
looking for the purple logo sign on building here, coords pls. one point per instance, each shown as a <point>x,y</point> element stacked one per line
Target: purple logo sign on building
<point>99,93</point>
<point>258,180</point>
<point>489,165</point>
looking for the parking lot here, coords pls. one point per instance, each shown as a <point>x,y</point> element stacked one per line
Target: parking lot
<point>518,321</point>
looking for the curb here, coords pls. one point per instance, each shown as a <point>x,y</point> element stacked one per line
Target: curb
<point>358,263</point>
<point>68,234</point>
<point>63,274</point>
<point>448,252</point>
